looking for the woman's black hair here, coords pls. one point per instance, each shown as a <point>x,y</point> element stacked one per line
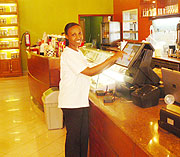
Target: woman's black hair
<point>67,27</point>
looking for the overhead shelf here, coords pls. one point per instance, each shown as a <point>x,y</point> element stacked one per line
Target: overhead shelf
<point>8,13</point>
<point>130,31</point>
<point>7,25</point>
<point>164,16</point>
<point>10,36</point>
<point>8,48</point>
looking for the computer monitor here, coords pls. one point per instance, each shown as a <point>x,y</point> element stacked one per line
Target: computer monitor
<point>130,50</point>
<point>137,59</point>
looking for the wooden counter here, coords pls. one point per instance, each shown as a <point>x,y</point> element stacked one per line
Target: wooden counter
<point>124,129</point>
<point>116,129</point>
<point>43,73</point>
<point>167,62</point>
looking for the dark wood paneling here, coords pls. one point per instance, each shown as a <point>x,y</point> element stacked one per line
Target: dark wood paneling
<point>5,67</point>
<point>166,63</point>
<point>10,67</point>
<point>54,66</point>
<point>15,66</point>
<point>105,137</point>
<point>43,73</point>
<point>38,67</point>
<point>37,88</point>
<point>110,132</point>
<point>139,153</point>
<point>98,146</point>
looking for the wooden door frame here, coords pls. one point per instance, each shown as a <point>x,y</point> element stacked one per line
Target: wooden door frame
<point>86,15</point>
<point>94,15</point>
<point>83,29</point>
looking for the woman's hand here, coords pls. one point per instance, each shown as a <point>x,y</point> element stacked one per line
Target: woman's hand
<point>117,55</point>
<point>104,65</point>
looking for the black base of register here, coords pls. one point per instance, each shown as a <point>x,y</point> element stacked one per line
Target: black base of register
<point>170,119</point>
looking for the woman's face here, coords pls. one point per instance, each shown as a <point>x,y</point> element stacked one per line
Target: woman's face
<point>75,36</point>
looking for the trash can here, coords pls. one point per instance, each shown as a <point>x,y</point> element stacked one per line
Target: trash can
<point>53,114</point>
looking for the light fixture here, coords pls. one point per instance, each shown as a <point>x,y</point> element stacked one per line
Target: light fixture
<point>7,4</point>
<point>1,16</point>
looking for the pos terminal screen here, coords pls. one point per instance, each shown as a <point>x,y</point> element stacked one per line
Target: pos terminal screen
<point>130,50</point>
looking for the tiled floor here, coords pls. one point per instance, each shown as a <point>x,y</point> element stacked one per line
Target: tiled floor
<point>23,131</point>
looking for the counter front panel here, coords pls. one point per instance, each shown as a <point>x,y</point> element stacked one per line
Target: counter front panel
<point>43,73</point>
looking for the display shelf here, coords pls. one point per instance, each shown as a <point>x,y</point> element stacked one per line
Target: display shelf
<point>130,21</point>
<point>130,24</point>
<point>164,16</point>
<point>148,8</point>
<point>110,31</point>
<point>9,54</point>
<point>8,13</point>
<point>9,39</point>
<point>8,1</point>
<point>10,36</point>
<point>8,48</point>
<point>8,25</point>
<point>167,7</point>
<point>158,8</point>
<point>130,31</point>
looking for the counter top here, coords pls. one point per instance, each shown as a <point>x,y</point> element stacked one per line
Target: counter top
<point>170,59</point>
<point>140,125</point>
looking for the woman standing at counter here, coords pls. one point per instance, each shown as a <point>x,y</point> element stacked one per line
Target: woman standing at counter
<point>74,90</point>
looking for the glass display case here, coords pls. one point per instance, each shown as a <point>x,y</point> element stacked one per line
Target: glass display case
<point>110,31</point>
<point>107,79</point>
<point>9,39</point>
<point>130,24</point>
<point>132,69</point>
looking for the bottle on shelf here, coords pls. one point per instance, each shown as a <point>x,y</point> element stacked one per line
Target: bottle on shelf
<point>164,11</point>
<point>153,11</point>
<point>13,9</point>
<point>144,12</point>
<point>150,12</point>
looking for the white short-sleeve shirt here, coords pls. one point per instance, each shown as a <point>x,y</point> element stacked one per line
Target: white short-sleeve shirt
<point>74,86</point>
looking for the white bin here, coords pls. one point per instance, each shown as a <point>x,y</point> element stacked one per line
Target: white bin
<point>53,114</point>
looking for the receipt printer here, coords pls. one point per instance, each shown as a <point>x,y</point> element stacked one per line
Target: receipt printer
<point>146,96</point>
<point>170,119</point>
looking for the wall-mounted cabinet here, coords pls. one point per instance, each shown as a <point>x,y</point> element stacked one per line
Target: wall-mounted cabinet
<point>130,24</point>
<point>153,8</point>
<point>9,38</point>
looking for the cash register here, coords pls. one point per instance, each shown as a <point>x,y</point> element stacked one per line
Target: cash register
<point>137,60</point>
<point>140,81</point>
<point>128,74</point>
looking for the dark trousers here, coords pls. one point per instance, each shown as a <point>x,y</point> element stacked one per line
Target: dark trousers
<point>77,126</point>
